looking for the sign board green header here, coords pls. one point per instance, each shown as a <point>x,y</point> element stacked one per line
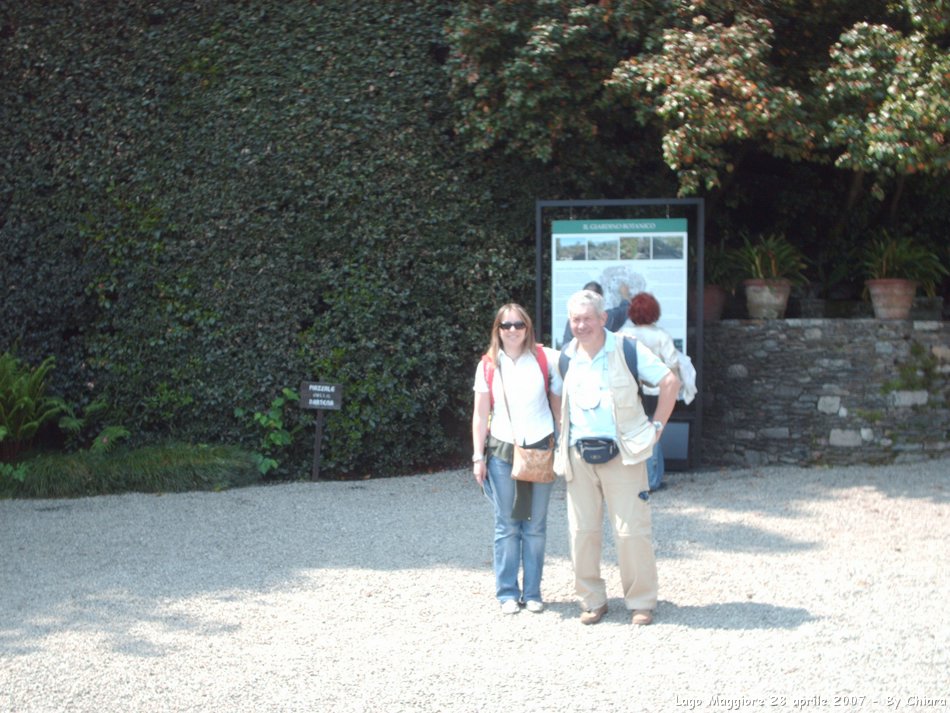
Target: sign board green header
<point>619,226</point>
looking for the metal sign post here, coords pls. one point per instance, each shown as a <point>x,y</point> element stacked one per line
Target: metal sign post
<point>315,395</point>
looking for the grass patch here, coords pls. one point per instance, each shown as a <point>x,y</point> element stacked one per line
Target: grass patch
<point>871,416</point>
<point>169,468</point>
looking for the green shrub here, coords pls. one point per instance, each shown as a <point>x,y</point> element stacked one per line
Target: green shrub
<point>260,195</point>
<point>276,437</point>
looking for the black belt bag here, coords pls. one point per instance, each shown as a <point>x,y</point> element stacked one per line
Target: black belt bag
<point>597,450</point>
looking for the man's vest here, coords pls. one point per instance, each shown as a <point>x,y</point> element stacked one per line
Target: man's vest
<point>635,432</point>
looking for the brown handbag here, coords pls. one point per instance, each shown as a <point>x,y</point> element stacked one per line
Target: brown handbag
<point>532,465</point>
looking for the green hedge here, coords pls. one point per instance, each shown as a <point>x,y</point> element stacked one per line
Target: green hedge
<point>202,203</point>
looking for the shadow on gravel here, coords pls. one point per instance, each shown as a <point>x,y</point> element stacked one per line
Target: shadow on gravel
<point>726,616</point>
<point>733,616</point>
<point>681,535</point>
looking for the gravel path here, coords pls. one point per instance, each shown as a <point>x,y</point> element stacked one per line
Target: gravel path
<point>780,589</point>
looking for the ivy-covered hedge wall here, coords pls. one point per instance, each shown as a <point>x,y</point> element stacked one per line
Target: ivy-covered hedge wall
<point>202,203</point>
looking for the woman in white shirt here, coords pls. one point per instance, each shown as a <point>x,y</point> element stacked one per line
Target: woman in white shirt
<point>514,378</point>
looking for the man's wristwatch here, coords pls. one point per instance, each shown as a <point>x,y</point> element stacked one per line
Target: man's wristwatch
<point>658,425</point>
<point>477,457</point>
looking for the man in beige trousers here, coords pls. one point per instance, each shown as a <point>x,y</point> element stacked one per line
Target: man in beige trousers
<point>605,440</point>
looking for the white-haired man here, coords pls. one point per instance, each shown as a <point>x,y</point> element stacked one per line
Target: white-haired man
<point>605,440</point>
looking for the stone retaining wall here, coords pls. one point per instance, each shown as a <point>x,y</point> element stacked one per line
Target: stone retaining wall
<point>836,391</point>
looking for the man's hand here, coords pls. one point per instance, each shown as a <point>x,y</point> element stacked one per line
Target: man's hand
<point>669,389</point>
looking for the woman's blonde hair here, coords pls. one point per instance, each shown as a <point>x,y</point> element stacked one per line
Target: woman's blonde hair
<point>494,346</point>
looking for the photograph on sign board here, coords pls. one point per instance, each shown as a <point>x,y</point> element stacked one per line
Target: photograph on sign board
<point>633,248</point>
<point>603,249</point>
<point>572,249</point>
<point>668,247</point>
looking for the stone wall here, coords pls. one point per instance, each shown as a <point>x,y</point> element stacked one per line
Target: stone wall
<point>814,391</point>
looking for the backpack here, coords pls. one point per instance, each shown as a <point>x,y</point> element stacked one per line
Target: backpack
<point>489,368</point>
<point>629,355</point>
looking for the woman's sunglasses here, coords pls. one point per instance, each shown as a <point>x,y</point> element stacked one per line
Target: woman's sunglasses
<point>513,325</point>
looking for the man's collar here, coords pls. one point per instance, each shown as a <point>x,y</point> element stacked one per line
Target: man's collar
<point>610,341</point>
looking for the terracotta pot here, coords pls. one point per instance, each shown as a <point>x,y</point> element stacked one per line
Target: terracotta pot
<point>714,300</point>
<point>892,299</point>
<point>767,299</point>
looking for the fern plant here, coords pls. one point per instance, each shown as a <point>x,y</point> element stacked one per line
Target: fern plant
<point>24,405</point>
<point>79,427</point>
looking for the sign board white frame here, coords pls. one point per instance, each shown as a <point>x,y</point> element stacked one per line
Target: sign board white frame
<point>687,421</point>
<point>647,255</point>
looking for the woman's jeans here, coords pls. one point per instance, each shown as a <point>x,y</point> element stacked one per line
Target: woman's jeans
<point>656,466</point>
<point>518,543</point>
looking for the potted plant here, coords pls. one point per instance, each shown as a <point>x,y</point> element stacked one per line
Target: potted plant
<point>720,280</point>
<point>772,265</point>
<point>895,266</point>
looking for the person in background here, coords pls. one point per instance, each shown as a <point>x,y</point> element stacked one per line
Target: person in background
<point>643,314</point>
<point>616,316</point>
<point>605,438</point>
<point>510,381</point>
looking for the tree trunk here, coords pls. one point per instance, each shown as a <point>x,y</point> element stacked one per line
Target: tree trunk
<point>895,200</point>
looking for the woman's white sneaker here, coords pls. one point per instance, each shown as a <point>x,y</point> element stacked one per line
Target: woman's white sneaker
<point>533,606</point>
<point>510,606</point>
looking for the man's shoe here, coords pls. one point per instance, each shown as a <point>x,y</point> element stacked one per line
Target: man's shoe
<point>534,606</point>
<point>510,606</point>
<point>642,617</point>
<point>592,616</point>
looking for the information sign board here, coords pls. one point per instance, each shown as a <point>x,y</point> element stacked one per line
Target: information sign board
<point>647,255</point>
<point>317,395</point>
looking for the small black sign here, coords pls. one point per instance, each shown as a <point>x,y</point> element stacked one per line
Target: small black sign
<point>317,395</point>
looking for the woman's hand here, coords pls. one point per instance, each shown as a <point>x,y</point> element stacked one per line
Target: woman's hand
<point>479,433</point>
<point>480,471</point>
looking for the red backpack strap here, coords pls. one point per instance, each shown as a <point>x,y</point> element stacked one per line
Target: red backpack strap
<point>488,368</point>
<point>543,363</point>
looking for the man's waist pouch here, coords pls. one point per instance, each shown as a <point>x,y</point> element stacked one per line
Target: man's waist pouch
<point>597,450</point>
